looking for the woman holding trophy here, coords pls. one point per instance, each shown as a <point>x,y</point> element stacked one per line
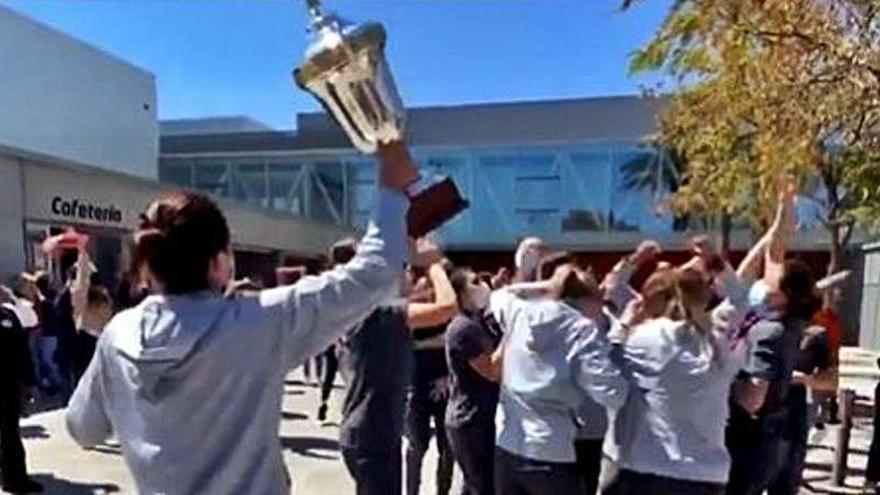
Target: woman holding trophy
<point>191,382</point>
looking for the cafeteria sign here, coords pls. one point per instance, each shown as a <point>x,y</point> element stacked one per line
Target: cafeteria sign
<point>76,209</point>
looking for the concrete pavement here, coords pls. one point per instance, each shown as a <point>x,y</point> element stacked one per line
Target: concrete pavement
<point>310,450</point>
<point>312,454</point>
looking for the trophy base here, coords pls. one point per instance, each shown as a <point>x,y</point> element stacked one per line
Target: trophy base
<point>433,206</point>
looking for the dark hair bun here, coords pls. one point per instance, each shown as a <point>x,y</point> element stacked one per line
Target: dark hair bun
<point>799,286</point>
<point>580,284</point>
<point>178,236</point>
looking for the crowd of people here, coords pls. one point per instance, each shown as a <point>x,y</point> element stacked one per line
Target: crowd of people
<point>53,320</point>
<point>703,378</point>
<point>705,381</point>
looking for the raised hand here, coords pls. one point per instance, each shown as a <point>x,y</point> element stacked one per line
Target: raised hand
<point>82,240</point>
<point>425,253</point>
<point>501,278</point>
<point>707,251</point>
<point>397,170</point>
<point>647,251</point>
<point>634,311</point>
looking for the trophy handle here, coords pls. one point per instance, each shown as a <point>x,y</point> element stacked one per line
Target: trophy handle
<point>434,206</point>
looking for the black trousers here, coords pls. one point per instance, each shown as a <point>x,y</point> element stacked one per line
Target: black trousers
<point>83,353</point>
<point>473,448</point>
<point>12,457</point>
<point>589,464</point>
<point>515,475</point>
<point>331,366</point>
<point>790,475</point>
<point>421,409</point>
<point>757,450</point>
<point>626,482</point>
<point>374,473</point>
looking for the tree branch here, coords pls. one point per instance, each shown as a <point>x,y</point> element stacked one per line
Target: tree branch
<point>848,232</point>
<point>857,133</point>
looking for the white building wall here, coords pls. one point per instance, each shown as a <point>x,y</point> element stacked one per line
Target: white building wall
<point>12,253</point>
<point>64,98</point>
<point>77,196</point>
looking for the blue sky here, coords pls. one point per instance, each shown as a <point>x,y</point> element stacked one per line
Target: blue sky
<point>230,57</point>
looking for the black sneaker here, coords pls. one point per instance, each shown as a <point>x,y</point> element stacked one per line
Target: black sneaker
<point>322,412</point>
<point>24,487</point>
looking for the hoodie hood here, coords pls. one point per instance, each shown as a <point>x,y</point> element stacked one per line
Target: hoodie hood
<point>546,325</point>
<point>169,330</point>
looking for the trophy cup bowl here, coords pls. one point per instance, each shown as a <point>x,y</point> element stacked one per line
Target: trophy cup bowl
<point>346,70</point>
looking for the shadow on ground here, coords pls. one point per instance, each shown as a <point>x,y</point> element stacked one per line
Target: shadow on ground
<point>33,431</point>
<point>311,446</point>
<point>293,391</point>
<point>293,416</point>
<point>826,468</point>
<point>57,486</point>
<point>107,449</point>
<point>817,480</point>
<point>44,403</point>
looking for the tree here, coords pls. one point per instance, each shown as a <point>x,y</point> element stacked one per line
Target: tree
<point>658,172</point>
<point>764,92</point>
<point>655,171</point>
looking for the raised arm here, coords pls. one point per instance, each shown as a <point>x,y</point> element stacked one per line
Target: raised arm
<point>79,289</point>
<point>734,307</point>
<point>615,286</point>
<point>317,310</point>
<point>424,315</point>
<point>777,244</point>
<point>531,290</point>
<point>749,268</point>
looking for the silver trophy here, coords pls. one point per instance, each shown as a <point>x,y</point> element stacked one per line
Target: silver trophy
<point>346,70</point>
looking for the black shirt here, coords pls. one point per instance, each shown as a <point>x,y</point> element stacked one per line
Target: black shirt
<point>375,361</point>
<point>774,351</point>
<point>16,367</point>
<point>429,365</point>
<point>472,398</point>
<point>814,354</point>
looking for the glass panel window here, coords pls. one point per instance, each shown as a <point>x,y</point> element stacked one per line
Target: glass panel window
<point>587,191</point>
<point>537,194</point>
<point>176,172</point>
<point>249,183</point>
<point>492,213</point>
<point>327,192</point>
<point>212,177</point>
<point>641,184</point>
<point>362,190</point>
<point>286,187</point>
<point>539,222</point>
<point>362,196</point>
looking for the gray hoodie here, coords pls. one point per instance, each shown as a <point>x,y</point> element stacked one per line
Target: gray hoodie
<point>192,385</point>
<point>554,357</point>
